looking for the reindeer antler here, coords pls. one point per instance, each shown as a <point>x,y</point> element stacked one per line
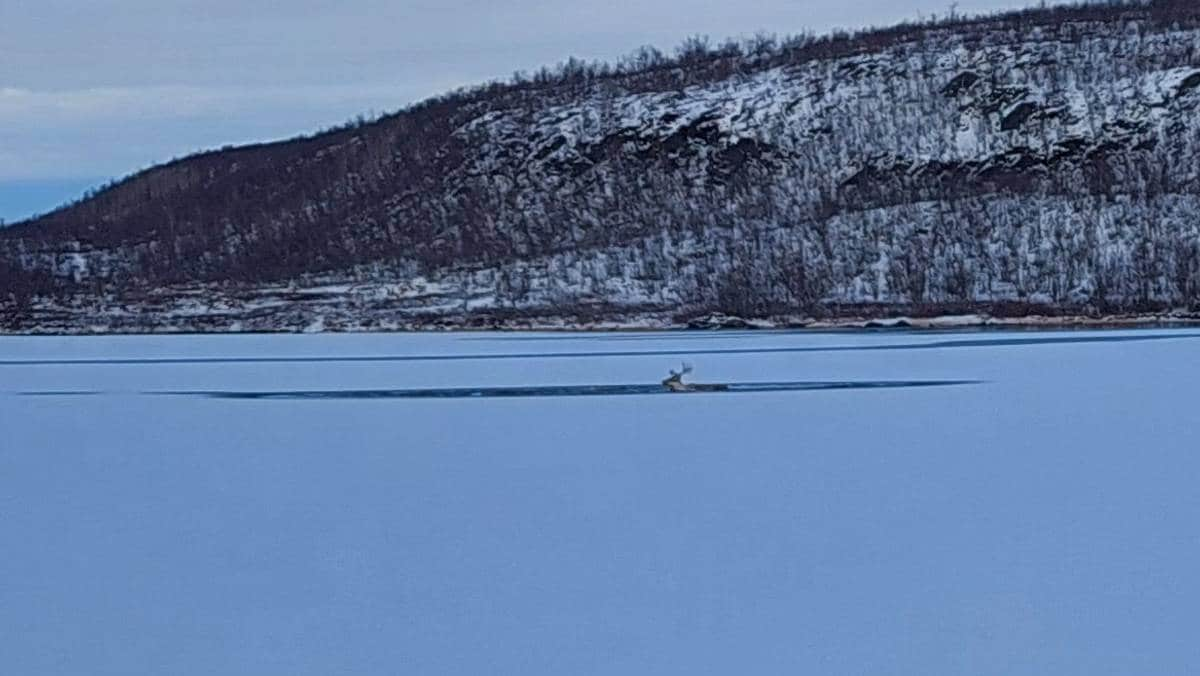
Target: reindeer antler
<point>686,368</point>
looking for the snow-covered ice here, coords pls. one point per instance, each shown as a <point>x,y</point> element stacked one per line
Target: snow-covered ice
<point>1045,520</point>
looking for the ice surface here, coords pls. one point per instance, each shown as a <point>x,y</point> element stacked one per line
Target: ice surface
<point>1044,521</point>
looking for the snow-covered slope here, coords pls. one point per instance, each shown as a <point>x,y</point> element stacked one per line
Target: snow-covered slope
<point>1046,160</point>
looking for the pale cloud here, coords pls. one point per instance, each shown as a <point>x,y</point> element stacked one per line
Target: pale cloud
<point>24,106</point>
<point>110,131</point>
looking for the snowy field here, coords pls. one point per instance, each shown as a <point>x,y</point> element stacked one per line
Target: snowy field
<point>994,503</point>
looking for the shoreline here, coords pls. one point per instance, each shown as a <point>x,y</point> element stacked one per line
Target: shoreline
<point>711,323</point>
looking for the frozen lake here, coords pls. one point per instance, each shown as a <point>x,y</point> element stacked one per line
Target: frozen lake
<point>910,503</point>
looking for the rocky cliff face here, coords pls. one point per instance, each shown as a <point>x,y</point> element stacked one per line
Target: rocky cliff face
<point>1046,161</point>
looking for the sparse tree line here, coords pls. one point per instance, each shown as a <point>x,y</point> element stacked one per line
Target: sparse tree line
<point>1088,255</point>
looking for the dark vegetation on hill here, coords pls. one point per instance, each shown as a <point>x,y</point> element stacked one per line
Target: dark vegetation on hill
<point>1044,157</point>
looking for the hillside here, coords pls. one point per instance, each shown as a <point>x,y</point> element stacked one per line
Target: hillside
<point>1041,161</point>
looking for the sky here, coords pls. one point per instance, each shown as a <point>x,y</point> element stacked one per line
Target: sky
<point>92,90</point>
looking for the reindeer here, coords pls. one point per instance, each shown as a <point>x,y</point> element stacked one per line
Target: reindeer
<point>675,382</point>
